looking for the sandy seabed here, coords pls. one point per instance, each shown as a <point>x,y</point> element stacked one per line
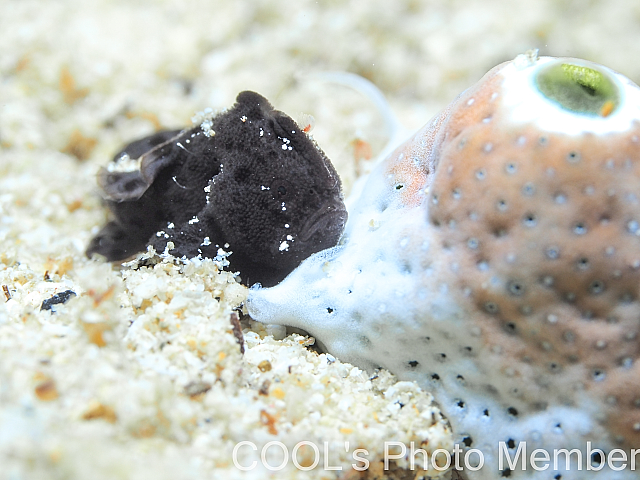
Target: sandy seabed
<point>140,374</point>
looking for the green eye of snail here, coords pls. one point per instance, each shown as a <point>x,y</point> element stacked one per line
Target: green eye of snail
<point>578,88</point>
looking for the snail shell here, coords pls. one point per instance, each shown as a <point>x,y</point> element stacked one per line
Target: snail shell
<point>494,258</point>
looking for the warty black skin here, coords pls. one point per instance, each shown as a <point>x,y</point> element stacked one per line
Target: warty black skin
<point>259,185</point>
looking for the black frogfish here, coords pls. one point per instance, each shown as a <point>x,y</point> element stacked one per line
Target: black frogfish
<point>247,180</point>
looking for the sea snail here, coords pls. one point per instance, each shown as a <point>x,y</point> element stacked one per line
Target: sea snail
<point>494,258</point>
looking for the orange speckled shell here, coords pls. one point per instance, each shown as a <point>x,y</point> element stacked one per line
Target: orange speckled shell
<point>545,227</point>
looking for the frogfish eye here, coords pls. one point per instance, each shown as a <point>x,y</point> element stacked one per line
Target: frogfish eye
<point>580,88</point>
<point>281,189</point>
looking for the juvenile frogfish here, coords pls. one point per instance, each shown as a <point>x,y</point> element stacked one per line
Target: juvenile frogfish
<point>494,258</point>
<point>247,180</point>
